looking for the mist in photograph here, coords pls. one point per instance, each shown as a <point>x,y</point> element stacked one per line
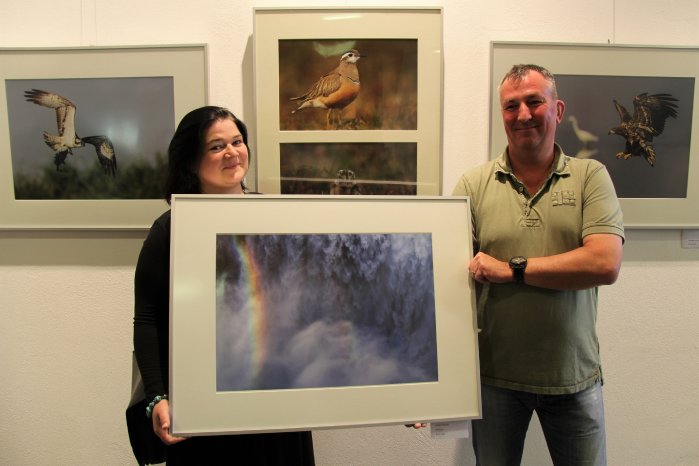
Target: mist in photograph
<point>324,310</point>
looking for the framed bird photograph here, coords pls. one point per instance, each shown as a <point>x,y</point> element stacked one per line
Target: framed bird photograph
<point>631,108</point>
<point>317,309</point>
<point>87,131</point>
<point>340,98</point>
<point>349,168</point>
<point>348,77</point>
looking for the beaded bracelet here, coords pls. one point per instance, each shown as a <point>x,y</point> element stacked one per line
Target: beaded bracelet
<point>151,405</point>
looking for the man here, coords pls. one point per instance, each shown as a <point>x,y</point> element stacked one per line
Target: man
<point>548,231</point>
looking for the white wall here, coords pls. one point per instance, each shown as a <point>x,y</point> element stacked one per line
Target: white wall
<point>66,297</point>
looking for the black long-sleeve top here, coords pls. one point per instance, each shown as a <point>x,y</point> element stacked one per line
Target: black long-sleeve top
<point>151,316</point>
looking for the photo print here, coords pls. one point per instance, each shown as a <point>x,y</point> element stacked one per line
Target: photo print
<point>89,138</point>
<point>324,310</point>
<point>349,168</point>
<point>347,84</point>
<point>639,127</point>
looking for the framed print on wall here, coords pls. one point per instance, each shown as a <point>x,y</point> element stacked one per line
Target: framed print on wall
<point>83,140</point>
<point>315,310</point>
<point>350,103</point>
<point>607,90</point>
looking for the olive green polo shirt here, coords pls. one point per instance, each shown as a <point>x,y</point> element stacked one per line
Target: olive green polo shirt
<point>535,339</point>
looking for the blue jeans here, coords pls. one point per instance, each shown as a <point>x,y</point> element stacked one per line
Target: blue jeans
<point>573,426</point>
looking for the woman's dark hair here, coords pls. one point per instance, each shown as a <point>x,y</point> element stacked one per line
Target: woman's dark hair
<point>186,149</point>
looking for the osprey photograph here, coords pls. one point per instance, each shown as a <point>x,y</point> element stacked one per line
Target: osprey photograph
<point>349,168</point>
<point>324,310</point>
<point>638,126</point>
<point>89,138</point>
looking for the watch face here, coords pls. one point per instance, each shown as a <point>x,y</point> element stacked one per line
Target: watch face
<point>518,261</point>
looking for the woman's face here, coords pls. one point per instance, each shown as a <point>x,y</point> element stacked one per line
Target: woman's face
<point>224,162</point>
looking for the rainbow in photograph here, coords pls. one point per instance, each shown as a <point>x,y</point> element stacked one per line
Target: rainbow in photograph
<point>254,307</point>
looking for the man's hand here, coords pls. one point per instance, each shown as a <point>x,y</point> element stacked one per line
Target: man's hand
<point>487,269</point>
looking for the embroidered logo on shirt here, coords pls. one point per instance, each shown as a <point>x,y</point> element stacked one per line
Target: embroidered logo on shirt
<point>563,198</point>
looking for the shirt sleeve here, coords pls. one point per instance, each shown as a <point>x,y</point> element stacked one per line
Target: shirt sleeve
<point>463,188</point>
<point>601,209</point>
<point>151,312</point>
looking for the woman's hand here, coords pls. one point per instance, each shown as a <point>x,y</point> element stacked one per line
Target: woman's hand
<point>417,425</point>
<point>161,423</point>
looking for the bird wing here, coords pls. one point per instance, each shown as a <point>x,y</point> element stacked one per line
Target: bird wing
<point>651,111</point>
<point>65,109</point>
<point>66,127</point>
<point>623,113</point>
<point>325,86</point>
<point>105,152</point>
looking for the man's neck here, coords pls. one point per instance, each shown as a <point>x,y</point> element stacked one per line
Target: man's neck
<point>532,167</point>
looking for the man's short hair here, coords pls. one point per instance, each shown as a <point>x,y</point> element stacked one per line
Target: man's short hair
<point>518,72</point>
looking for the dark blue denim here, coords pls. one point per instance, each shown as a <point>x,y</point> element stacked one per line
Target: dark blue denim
<point>573,426</point>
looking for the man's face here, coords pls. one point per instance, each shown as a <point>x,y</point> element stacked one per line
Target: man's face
<point>530,112</point>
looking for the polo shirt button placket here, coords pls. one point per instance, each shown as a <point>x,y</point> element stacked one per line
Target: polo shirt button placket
<point>526,203</point>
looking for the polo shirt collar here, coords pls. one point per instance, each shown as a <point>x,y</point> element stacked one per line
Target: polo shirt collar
<point>560,163</point>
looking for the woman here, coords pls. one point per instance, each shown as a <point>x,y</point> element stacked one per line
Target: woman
<point>207,155</point>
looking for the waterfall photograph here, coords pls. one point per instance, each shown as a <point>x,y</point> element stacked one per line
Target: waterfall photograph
<point>324,310</point>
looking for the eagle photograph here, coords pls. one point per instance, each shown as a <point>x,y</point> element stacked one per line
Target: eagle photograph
<point>89,138</point>
<point>647,121</point>
<point>638,126</point>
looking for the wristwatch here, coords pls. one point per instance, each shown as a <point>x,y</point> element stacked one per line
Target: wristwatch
<point>518,264</point>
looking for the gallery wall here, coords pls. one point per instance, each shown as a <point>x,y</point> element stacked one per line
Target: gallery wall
<point>66,299</point>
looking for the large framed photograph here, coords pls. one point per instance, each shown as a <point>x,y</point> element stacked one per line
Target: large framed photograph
<point>85,131</point>
<point>297,312</point>
<point>633,108</point>
<point>350,103</point>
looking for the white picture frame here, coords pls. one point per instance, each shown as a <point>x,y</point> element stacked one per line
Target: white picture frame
<point>374,32</point>
<point>198,408</point>
<point>184,65</point>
